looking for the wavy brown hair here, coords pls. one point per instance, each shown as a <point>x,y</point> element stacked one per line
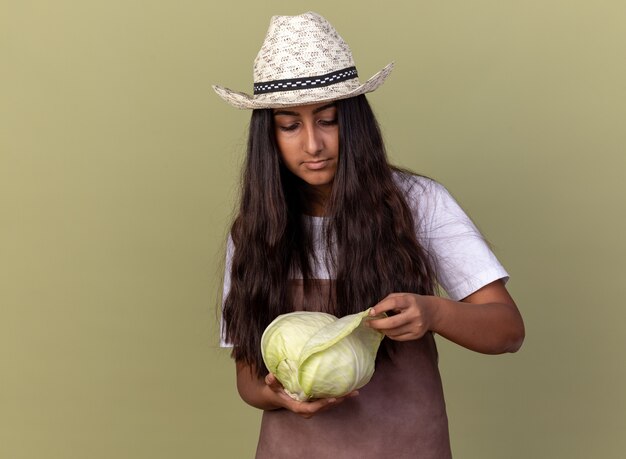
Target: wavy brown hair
<point>367,220</point>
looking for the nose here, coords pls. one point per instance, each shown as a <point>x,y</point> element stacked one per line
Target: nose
<point>312,141</point>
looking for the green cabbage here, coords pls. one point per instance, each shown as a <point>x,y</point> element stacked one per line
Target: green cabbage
<point>316,355</point>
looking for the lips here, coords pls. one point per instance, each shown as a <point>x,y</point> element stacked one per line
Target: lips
<point>316,165</point>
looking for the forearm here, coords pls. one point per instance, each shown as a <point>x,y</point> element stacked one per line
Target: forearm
<point>254,391</point>
<point>489,328</point>
<point>486,321</point>
<point>268,394</point>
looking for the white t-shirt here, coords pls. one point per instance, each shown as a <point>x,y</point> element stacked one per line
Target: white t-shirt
<point>463,260</point>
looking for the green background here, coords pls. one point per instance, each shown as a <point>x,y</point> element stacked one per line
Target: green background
<point>119,168</point>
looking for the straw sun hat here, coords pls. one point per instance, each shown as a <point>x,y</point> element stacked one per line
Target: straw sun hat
<point>303,60</point>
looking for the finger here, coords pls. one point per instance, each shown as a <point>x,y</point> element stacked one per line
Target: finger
<point>273,382</point>
<point>389,323</point>
<point>392,302</point>
<point>405,328</point>
<point>270,379</point>
<point>312,407</point>
<point>406,336</point>
<point>387,304</point>
<point>402,338</point>
<point>409,331</point>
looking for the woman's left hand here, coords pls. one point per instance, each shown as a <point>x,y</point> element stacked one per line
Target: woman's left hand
<point>486,321</point>
<point>414,316</point>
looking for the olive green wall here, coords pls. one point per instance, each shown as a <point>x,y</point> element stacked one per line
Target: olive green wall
<point>119,168</point>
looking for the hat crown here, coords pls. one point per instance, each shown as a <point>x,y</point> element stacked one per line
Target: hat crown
<point>300,46</point>
<point>303,60</point>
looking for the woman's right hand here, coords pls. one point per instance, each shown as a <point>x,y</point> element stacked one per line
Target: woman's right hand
<point>306,409</point>
<point>268,394</point>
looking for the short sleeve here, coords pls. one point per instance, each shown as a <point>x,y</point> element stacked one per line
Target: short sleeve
<point>462,257</point>
<point>230,249</point>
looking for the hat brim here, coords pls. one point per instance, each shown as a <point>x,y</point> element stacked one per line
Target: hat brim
<point>294,98</point>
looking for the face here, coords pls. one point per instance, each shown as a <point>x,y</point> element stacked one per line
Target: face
<point>308,141</point>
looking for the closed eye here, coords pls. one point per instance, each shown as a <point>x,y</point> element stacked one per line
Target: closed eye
<point>288,128</point>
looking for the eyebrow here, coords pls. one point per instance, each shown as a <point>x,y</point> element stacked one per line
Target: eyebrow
<point>291,113</point>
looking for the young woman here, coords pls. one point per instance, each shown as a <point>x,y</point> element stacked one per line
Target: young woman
<point>326,224</point>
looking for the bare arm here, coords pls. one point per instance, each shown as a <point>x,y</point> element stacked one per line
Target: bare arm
<point>268,394</point>
<point>487,321</point>
<point>254,391</point>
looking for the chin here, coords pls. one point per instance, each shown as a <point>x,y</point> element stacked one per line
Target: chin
<point>321,181</point>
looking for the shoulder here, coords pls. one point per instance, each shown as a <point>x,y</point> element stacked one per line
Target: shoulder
<point>462,257</point>
<point>413,184</point>
<point>436,213</point>
<point>423,194</point>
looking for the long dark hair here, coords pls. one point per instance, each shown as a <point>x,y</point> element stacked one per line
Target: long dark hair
<point>368,223</point>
